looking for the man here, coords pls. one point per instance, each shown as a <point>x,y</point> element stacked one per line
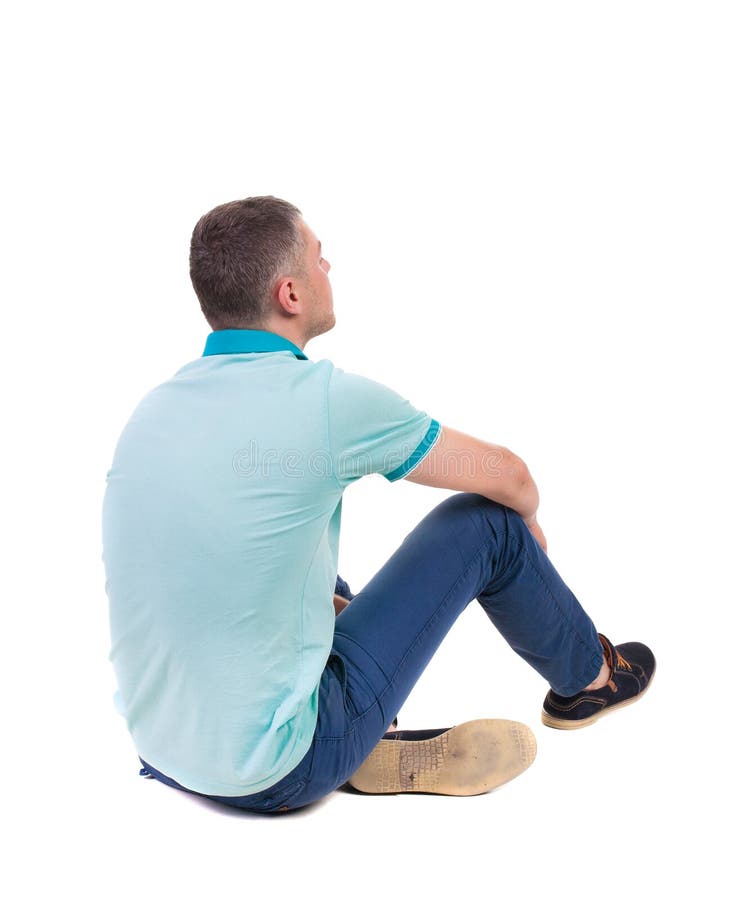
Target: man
<point>221,523</point>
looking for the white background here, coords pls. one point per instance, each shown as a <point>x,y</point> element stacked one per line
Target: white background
<point>536,216</point>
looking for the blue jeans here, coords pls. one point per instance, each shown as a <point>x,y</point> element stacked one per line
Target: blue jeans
<point>467,547</point>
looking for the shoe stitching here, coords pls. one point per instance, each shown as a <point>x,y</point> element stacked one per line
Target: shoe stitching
<point>570,706</point>
<point>590,699</point>
<point>621,676</point>
<point>632,675</point>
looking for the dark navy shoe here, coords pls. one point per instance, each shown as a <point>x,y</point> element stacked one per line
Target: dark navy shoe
<point>413,735</point>
<point>467,759</point>
<point>632,667</point>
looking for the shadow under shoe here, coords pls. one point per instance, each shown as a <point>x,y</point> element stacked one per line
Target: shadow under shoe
<point>632,668</point>
<point>467,759</point>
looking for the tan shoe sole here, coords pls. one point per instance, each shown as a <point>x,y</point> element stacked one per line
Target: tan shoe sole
<point>468,759</point>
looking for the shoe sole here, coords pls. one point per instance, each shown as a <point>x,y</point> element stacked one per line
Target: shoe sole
<point>570,724</point>
<point>471,758</point>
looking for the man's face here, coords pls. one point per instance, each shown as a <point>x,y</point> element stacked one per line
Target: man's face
<point>318,293</point>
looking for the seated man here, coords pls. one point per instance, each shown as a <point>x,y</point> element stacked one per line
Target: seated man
<point>221,523</point>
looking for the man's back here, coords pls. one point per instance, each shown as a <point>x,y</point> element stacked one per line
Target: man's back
<point>221,524</point>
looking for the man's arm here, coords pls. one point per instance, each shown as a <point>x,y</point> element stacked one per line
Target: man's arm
<point>460,462</point>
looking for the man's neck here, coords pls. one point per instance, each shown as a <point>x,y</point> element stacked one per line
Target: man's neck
<point>284,328</point>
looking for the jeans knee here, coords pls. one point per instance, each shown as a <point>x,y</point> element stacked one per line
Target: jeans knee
<point>515,521</point>
<point>485,513</point>
<point>467,503</point>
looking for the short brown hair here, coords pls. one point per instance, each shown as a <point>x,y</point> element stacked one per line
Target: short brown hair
<point>237,251</point>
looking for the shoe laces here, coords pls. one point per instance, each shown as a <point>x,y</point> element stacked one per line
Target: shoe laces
<point>615,660</point>
<point>622,663</point>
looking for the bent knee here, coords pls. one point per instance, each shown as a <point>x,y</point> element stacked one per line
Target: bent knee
<point>483,511</point>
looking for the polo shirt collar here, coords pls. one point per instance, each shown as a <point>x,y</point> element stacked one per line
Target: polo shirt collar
<point>248,340</point>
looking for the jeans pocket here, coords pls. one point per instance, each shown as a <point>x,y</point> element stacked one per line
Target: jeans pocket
<point>338,667</point>
<point>283,800</point>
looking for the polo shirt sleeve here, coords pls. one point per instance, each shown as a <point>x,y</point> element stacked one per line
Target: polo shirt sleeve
<point>374,430</point>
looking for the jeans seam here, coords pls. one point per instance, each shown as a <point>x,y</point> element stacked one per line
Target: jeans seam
<point>363,649</point>
<point>562,615</point>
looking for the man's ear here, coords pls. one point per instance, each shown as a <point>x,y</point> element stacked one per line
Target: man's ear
<point>287,295</point>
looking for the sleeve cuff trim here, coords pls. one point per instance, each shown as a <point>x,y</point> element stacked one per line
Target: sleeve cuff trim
<point>419,453</point>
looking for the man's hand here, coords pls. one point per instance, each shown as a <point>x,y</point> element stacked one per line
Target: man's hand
<point>339,603</point>
<point>535,530</point>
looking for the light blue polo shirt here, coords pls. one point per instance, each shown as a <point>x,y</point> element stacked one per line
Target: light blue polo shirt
<point>221,521</point>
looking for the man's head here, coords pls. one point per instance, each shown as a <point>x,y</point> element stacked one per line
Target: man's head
<point>255,263</point>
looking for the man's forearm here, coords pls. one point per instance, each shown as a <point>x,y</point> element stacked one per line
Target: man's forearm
<point>461,462</point>
<point>515,486</point>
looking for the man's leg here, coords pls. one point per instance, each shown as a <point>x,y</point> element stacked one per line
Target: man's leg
<point>467,547</point>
